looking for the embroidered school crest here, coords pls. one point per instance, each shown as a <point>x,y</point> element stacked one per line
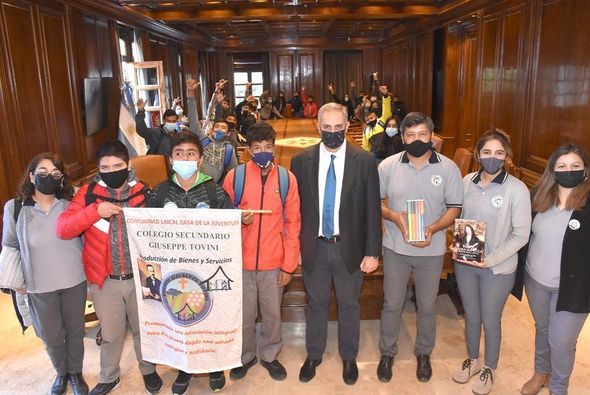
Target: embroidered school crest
<point>170,205</point>
<point>186,297</point>
<point>497,201</point>
<point>436,180</point>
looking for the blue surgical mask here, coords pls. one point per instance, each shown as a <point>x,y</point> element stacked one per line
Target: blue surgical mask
<point>263,159</point>
<point>391,131</point>
<point>218,134</point>
<point>185,168</point>
<point>170,126</point>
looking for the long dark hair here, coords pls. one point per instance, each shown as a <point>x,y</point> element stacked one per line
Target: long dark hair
<point>26,189</point>
<point>545,193</point>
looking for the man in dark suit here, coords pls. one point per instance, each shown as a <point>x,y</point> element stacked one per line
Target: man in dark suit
<point>340,235</point>
<point>152,283</point>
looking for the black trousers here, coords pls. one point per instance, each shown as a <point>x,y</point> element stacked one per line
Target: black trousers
<point>329,268</point>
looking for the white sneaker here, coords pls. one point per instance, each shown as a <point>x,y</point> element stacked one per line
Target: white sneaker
<point>469,368</point>
<point>483,386</point>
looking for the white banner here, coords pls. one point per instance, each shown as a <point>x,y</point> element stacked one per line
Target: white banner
<point>187,267</point>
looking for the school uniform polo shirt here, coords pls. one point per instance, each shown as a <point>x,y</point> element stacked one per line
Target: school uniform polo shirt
<point>438,183</point>
<point>484,203</point>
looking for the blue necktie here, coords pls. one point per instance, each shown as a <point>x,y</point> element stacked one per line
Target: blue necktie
<point>329,198</point>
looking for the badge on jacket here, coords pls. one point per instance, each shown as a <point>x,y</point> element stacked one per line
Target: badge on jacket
<point>497,201</point>
<point>574,224</point>
<point>436,180</point>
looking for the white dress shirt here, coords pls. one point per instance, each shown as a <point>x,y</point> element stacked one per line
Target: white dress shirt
<point>325,159</point>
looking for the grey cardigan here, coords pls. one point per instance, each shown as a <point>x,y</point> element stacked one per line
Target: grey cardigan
<point>513,227</point>
<point>15,234</point>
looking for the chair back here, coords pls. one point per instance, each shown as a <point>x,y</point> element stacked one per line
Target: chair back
<point>151,169</point>
<point>437,142</point>
<point>463,158</point>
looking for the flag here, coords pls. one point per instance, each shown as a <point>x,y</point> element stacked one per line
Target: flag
<point>127,133</point>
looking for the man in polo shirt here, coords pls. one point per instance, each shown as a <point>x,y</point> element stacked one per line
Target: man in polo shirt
<point>419,172</point>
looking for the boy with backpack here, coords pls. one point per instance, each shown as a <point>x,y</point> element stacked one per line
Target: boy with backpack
<point>218,153</point>
<point>189,188</point>
<point>97,212</point>
<point>270,246</point>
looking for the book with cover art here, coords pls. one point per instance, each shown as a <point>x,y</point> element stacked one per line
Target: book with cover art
<point>469,239</point>
<point>415,220</point>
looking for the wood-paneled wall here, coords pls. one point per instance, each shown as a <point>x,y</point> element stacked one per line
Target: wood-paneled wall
<point>518,65</point>
<point>47,48</point>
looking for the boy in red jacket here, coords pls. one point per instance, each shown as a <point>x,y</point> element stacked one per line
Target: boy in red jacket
<point>97,212</point>
<point>270,247</point>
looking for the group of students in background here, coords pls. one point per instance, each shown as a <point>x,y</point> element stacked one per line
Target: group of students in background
<point>333,221</point>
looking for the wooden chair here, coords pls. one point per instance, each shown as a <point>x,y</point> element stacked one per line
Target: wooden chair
<point>463,158</point>
<point>437,142</point>
<point>151,169</point>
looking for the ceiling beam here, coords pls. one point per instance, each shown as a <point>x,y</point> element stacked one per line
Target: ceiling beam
<point>281,13</point>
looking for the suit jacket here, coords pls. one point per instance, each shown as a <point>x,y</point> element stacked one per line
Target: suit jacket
<point>360,206</point>
<point>153,285</point>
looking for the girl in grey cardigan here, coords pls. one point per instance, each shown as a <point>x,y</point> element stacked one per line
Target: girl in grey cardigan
<point>501,201</point>
<point>53,272</point>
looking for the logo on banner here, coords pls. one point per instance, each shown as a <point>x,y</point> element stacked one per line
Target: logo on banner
<point>186,297</point>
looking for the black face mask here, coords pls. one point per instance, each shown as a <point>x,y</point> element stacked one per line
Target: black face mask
<point>231,125</point>
<point>333,139</point>
<point>417,148</point>
<point>115,179</point>
<point>372,123</point>
<point>47,185</point>
<point>570,179</point>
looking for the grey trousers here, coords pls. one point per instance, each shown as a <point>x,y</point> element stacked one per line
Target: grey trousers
<point>396,273</point>
<point>329,267</point>
<point>261,287</point>
<point>556,335</point>
<point>58,319</point>
<point>484,295</point>
<point>116,306</point>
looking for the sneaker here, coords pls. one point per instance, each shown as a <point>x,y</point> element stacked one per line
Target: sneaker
<point>217,381</point>
<point>240,372</point>
<point>469,368</point>
<point>275,369</point>
<point>105,388</point>
<point>181,383</point>
<point>483,386</point>
<point>153,383</point>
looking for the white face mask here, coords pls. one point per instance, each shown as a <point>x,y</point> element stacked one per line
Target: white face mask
<point>170,126</point>
<point>179,111</point>
<point>391,131</point>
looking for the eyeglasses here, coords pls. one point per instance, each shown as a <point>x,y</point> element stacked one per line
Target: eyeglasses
<point>55,174</point>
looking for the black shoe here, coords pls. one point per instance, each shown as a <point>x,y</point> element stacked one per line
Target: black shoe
<point>307,371</point>
<point>153,383</point>
<point>423,370</point>
<point>181,383</point>
<point>240,372</point>
<point>350,372</point>
<point>105,388</point>
<point>60,385</point>
<point>78,384</point>
<point>217,381</point>
<point>384,369</point>
<point>275,369</point>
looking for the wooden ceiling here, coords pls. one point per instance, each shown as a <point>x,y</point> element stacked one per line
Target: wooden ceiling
<point>233,23</point>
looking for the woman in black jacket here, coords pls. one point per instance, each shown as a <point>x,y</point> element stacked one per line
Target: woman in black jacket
<point>557,270</point>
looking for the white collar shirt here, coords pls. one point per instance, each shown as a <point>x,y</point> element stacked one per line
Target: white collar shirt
<point>325,159</point>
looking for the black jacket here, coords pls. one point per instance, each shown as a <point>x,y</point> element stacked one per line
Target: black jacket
<point>574,283</point>
<point>360,206</point>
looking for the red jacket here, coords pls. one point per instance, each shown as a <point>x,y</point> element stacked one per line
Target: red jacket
<point>80,219</point>
<point>269,242</point>
<point>310,110</point>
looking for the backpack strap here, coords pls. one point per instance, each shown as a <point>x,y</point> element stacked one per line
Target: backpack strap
<point>283,184</point>
<point>239,180</point>
<point>18,204</point>
<point>90,195</point>
<point>161,193</point>
<point>229,151</point>
<point>211,193</point>
<point>205,142</point>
